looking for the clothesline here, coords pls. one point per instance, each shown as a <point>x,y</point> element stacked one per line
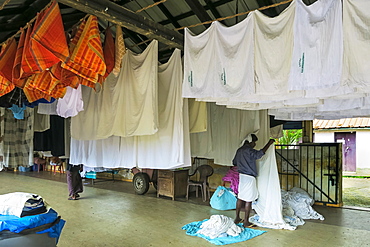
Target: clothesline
<point>150,6</point>
<point>239,14</point>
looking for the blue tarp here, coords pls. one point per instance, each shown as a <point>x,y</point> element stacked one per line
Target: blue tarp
<point>15,224</point>
<point>192,229</point>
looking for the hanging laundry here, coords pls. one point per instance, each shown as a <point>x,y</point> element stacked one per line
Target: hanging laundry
<point>7,57</point>
<point>19,79</point>
<point>29,63</point>
<point>120,51</point>
<point>48,109</point>
<point>318,45</point>
<point>197,116</point>
<point>273,54</point>
<point>200,64</point>
<point>41,121</point>
<point>234,47</point>
<point>48,42</point>
<point>165,149</point>
<point>18,112</point>
<point>269,204</point>
<point>71,104</point>
<point>5,86</point>
<point>133,97</point>
<point>108,50</point>
<point>18,139</point>
<point>86,52</point>
<point>356,39</point>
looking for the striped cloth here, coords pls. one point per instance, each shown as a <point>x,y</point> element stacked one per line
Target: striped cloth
<point>48,42</point>
<point>29,63</point>
<point>120,50</point>
<point>18,139</point>
<point>5,86</point>
<point>86,50</point>
<point>109,51</point>
<point>18,73</point>
<point>7,57</point>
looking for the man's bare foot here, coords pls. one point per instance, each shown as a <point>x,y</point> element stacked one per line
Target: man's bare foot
<point>238,220</point>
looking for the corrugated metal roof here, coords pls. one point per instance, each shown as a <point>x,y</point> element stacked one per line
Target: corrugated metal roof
<point>342,123</point>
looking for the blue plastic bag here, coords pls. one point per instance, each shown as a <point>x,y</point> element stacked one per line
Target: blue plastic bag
<point>223,199</point>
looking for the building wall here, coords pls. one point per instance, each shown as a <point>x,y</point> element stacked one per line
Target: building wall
<point>362,148</point>
<point>362,143</point>
<point>323,136</point>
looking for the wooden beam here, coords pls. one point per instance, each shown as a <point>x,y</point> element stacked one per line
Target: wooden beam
<point>126,18</point>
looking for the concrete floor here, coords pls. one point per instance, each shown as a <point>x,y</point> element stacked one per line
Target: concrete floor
<point>110,214</point>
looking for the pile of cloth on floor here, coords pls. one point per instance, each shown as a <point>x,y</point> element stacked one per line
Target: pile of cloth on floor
<point>220,230</point>
<point>296,207</point>
<point>24,213</point>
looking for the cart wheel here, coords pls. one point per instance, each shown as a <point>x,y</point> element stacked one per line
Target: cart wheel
<point>141,183</point>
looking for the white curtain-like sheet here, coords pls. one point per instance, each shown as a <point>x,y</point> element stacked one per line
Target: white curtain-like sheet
<point>356,31</point>
<point>197,116</point>
<point>273,54</point>
<point>199,63</point>
<point>125,106</point>
<point>225,132</point>
<point>318,45</point>
<point>165,149</point>
<point>71,104</point>
<point>41,121</point>
<point>48,108</point>
<point>303,58</point>
<point>269,205</point>
<point>168,148</point>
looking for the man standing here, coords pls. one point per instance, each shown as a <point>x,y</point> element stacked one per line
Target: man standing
<point>245,159</point>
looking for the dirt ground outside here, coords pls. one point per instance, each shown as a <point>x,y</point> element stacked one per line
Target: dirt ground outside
<point>356,189</point>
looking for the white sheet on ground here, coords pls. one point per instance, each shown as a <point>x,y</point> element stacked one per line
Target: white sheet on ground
<point>218,225</point>
<point>13,203</point>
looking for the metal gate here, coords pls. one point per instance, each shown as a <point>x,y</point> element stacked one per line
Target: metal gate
<point>314,167</point>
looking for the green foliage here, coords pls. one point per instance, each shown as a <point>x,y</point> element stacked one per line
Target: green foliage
<point>290,137</point>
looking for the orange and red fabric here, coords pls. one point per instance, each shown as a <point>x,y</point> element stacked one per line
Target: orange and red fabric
<point>5,86</point>
<point>109,50</point>
<point>7,57</point>
<point>48,42</point>
<point>86,52</point>
<point>18,75</point>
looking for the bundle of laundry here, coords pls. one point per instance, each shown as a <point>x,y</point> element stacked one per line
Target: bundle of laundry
<point>26,213</point>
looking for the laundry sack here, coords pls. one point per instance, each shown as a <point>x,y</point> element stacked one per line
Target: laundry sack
<point>223,199</point>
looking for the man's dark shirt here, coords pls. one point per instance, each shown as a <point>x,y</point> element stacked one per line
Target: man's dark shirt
<point>245,159</point>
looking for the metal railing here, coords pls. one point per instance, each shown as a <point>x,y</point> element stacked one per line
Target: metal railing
<point>314,167</point>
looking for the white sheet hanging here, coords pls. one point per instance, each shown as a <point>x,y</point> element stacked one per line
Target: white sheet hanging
<point>226,129</point>
<point>318,45</point>
<point>199,64</point>
<point>197,116</point>
<point>71,104</point>
<point>133,108</point>
<point>269,205</point>
<point>273,54</point>
<point>234,47</point>
<point>41,121</point>
<point>356,39</point>
<point>165,149</point>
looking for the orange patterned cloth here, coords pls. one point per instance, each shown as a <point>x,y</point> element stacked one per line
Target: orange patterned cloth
<point>120,50</point>
<point>7,57</point>
<point>86,59</point>
<point>48,42</point>
<point>18,73</point>
<point>5,86</point>
<point>109,51</point>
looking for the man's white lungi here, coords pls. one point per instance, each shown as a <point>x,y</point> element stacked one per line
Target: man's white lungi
<point>247,188</point>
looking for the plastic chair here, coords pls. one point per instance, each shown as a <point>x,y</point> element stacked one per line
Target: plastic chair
<point>204,171</point>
